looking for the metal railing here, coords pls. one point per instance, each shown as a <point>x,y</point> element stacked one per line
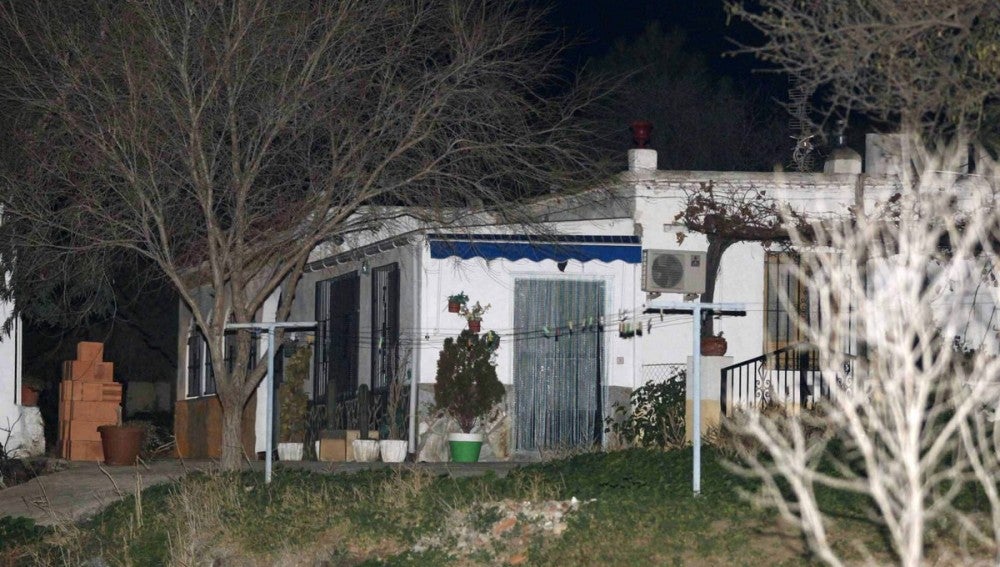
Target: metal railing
<point>371,409</point>
<point>789,376</point>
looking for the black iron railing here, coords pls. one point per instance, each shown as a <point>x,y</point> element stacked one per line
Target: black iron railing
<point>369,410</point>
<point>789,376</point>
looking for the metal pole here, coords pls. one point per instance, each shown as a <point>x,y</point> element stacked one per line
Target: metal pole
<point>269,328</point>
<point>413,413</point>
<point>695,309</point>
<point>696,400</point>
<point>269,426</point>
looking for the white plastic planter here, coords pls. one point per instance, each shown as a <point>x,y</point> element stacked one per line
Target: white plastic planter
<point>290,451</point>
<point>393,450</point>
<point>365,450</point>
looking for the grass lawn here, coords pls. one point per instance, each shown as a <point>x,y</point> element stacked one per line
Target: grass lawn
<point>636,508</point>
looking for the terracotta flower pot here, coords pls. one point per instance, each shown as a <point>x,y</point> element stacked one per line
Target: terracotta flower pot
<point>29,396</point>
<point>121,444</point>
<point>454,307</point>
<point>713,346</point>
<point>475,325</point>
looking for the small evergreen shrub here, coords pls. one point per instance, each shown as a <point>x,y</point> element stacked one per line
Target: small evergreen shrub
<point>467,386</point>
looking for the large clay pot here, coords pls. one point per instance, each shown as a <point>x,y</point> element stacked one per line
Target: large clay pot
<point>713,346</point>
<point>454,307</point>
<point>29,396</point>
<point>121,444</point>
<point>475,325</point>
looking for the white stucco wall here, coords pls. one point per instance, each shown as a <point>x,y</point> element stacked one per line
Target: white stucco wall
<point>493,282</point>
<point>16,433</point>
<point>660,196</point>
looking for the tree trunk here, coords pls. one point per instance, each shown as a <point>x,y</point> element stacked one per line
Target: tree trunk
<point>233,457</point>
<point>713,260</point>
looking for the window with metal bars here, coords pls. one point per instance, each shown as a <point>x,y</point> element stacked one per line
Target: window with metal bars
<point>788,309</point>
<point>195,350</point>
<point>385,325</point>
<point>335,375</point>
<point>200,372</point>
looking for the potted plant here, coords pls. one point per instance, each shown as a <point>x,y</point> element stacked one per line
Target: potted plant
<point>31,387</point>
<point>714,345</point>
<point>474,315</point>
<point>467,388</point>
<point>457,301</point>
<point>293,406</point>
<point>393,447</point>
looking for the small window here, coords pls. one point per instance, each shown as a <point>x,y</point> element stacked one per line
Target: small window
<point>200,372</point>
<point>195,351</point>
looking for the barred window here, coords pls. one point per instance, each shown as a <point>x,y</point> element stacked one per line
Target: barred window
<point>385,324</point>
<point>200,372</point>
<point>787,305</point>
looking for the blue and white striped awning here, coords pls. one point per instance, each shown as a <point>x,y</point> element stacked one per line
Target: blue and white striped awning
<point>561,248</point>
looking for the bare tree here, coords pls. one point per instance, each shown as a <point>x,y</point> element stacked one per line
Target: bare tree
<point>914,422</point>
<point>728,215</point>
<point>224,140</point>
<point>930,68</point>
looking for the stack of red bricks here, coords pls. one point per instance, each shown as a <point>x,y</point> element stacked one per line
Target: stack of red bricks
<point>88,398</point>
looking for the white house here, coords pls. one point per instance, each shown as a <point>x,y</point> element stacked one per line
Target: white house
<point>575,334</point>
<point>21,431</point>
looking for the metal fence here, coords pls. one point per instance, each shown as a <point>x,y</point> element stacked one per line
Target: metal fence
<point>663,372</point>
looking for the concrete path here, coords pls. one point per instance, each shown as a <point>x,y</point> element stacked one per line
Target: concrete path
<point>83,489</point>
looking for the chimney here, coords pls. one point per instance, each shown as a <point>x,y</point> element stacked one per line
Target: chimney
<point>641,158</point>
<point>843,159</point>
<point>883,154</point>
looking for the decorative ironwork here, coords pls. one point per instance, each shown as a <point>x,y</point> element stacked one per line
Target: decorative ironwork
<point>789,376</point>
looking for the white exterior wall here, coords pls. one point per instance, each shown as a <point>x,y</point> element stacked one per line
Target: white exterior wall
<point>493,282</point>
<point>660,196</point>
<point>10,380</point>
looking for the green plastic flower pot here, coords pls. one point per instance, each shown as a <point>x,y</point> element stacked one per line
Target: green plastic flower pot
<point>465,447</point>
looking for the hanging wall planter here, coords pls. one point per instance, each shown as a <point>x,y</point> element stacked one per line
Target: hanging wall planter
<point>455,302</point>
<point>714,346</point>
<point>474,315</point>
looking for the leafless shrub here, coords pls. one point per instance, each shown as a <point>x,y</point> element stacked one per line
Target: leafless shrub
<point>915,420</point>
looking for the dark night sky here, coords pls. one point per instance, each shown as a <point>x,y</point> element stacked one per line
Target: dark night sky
<point>598,23</point>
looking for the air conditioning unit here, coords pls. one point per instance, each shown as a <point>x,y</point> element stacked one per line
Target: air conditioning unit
<point>673,271</point>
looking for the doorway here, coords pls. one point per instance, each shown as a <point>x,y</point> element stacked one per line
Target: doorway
<point>558,362</point>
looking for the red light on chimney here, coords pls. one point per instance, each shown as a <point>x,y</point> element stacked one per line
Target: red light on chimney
<point>641,129</point>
